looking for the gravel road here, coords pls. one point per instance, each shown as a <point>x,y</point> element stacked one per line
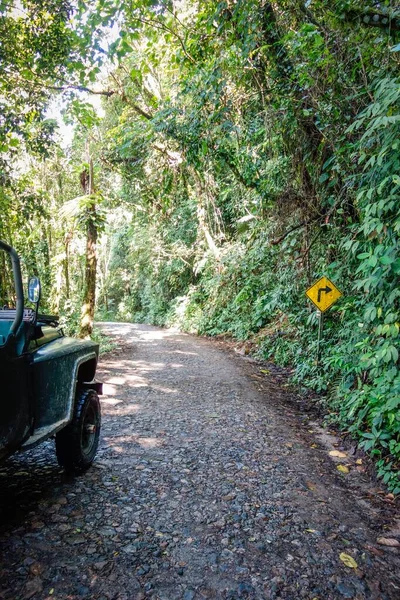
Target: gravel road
<point>207,484</point>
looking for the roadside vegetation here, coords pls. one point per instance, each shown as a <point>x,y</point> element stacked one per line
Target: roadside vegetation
<point>243,149</point>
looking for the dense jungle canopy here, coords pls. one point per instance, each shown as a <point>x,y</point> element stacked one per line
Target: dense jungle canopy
<point>224,155</point>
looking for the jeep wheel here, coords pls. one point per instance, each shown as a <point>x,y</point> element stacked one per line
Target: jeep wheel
<point>76,444</point>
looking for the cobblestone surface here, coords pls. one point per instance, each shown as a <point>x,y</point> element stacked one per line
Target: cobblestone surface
<point>205,486</point>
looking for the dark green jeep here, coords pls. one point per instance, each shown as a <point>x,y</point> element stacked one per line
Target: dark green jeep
<point>47,381</point>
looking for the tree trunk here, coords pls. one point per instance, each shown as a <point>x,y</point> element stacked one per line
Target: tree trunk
<point>68,239</point>
<point>202,216</point>
<point>89,298</point>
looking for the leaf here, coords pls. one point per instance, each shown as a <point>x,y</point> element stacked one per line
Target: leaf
<point>323,177</point>
<point>245,219</point>
<point>72,208</point>
<point>337,453</point>
<point>359,461</point>
<point>391,542</point>
<point>343,469</point>
<point>348,560</point>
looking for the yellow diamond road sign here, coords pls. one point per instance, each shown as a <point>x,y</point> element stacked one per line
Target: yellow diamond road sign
<point>323,293</point>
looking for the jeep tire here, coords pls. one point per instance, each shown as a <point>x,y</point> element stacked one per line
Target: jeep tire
<point>76,444</point>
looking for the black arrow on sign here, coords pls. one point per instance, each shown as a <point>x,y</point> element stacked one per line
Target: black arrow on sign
<point>326,289</point>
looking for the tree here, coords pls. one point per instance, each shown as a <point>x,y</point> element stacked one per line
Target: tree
<point>89,295</point>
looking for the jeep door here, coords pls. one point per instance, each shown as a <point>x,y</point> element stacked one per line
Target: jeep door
<point>15,414</point>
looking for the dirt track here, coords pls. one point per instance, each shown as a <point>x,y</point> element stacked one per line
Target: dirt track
<point>207,485</point>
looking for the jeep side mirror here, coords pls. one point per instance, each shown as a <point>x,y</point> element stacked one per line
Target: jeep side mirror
<point>34,289</point>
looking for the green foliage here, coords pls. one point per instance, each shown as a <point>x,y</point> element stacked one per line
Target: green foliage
<point>370,392</point>
<point>106,343</point>
<point>247,148</point>
<point>36,44</point>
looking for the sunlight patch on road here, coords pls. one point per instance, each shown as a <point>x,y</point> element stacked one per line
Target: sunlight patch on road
<point>120,409</point>
<point>110,385</point>
<point>164,390</point>
<point>110,401</point>
<point>119,444</point>
<point>116,381</point>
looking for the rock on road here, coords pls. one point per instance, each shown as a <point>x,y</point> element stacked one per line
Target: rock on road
<point>204,487</point>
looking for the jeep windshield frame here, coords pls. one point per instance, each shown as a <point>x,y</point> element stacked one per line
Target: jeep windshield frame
<point>19,290</point>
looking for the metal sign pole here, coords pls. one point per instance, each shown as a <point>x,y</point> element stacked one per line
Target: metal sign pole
<point>320,326</point>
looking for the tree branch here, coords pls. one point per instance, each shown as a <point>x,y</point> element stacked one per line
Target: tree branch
<point>137,109</point>
<point>374,18</point>
<point>173,156</point>
<point>310,245</point>
<point>80,88</point>
<point>289,231</point>
<point>164,27</point>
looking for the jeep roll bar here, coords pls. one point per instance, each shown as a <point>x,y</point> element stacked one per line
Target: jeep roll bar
<point>19,312</point>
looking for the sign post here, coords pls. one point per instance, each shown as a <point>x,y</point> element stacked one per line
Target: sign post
<point>320,327</point>
<point>323,294</point>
